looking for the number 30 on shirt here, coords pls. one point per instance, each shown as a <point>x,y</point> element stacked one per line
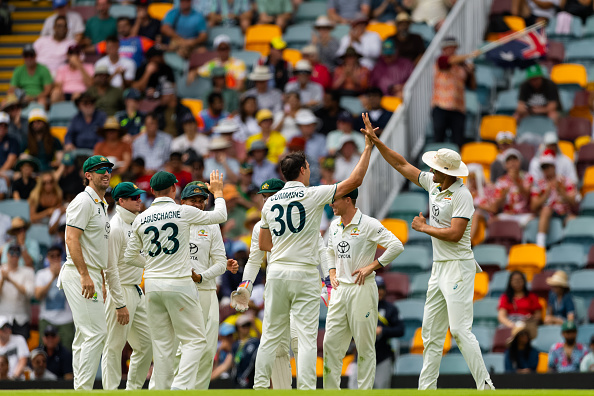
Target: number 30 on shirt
<point>286,220</point>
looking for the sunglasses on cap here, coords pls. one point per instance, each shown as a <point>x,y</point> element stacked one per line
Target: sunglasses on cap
<point>134,198</point>
<point>102,171</point>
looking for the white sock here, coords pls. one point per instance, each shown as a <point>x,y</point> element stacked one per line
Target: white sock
<point>541,239</point>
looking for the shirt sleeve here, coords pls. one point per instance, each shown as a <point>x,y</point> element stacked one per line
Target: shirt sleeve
<point>46,77</point>
<point>78,213</point>
<point>133,248</point>
<point>197,216</point>
<point>380,235</point>
<point>77,23</point>
<point>218,257</point>
<point>170,17</point>
<point>425,180</point>
<point>569,306</point>
<point>112,273</point>
<point>48,27</point>
<point>22,348</point>
<point>29,283</point>
<point>323,194</point>
<point>323,257</point>
<point>443,62</point>
<point>330,249</point>
<point>130,71</point>
<point>504,303</point>
<point>463,206</point>
<point>264,221</point>
<point>255,260</point>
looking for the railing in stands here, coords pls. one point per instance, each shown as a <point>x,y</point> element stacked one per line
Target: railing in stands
<point>405,132</point>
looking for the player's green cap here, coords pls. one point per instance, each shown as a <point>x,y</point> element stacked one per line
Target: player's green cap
<point>569,326</point>
<point>94,161</point>
<point>353,194</point>
<point>162,180</point>
<point>193,191</point>
<point>200,184</point>
<point>271,186</point>
<point>125,190</point>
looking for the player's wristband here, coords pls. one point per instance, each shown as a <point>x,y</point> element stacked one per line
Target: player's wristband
<point>246,284</point>
<point>121,307</point>
<point>201,278</point>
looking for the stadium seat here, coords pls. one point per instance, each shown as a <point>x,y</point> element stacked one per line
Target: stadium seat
<point>384,30</point>
<point>580,283</point>
<point>570,128</point>
<point>409,364</point>
<point>419,285</point>
<point>40,233</point>
<point>416,238</point>
<point>484,335</point>
<point>257,37</point>
<point>407,205</point>
<point>567,95</point>
<point>234,33</point>
<point>310,11</point>
<point>473,113</point>
<point>591,312</point>
<point>515,23</point>
<point>195,105</point>
<point>159,10</point>
<point>556,52</point>
<point>535,126</point>
<point>576,30</point>
<point>391,103</point>
<point>411,313</point>
<point>481,231</point>
<point>590,259</point>
<point>547,337</point>
<point>581,309</point>
<point>299,35</point>
<point>587,203</point>
<point>85,11</point>
<point>498,283</point>
<point>194,90</point>
<point>490,256</point>
<point>425,31</point>
<point>485,312</point>
<point>566,256</point>
<point>527,150</point>
<point>501,7</point>
<point>453,364</point>
<point>323,314</point>
<point>569,74</point>
<point>543,363</point>
<point>504,232</point>
<point>580,230</point>
<point>248,57</point>
<point>491,125</point>
<point>198,59</point>
<point>588,181</point>
<point>580,51</point>
<point>413,260</point>
<point>59,132</point>
<point>397,227</point>
<point>527,258</point>
<point>176,62</point>
<point>122,10</point>
<point>554,236</point>
<point>585,158</point>
<point>506,102</point>
<point>61,113</point>
<point>15,208</point>
<point>539,284</point>
<point>500,339</point>
<point>352,104</point>
<point>481,285</point>
<point>585,333</point>
<point>340,31</point>
<point>396,285</point>
<point>495,362</point>
<point>567,148</point>
<point>417,342</point>
<point>486,85</point>
<point>292,56</point>
<point>483,153</point>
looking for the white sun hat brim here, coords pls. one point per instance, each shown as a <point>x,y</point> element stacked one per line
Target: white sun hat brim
<point>429,159</point>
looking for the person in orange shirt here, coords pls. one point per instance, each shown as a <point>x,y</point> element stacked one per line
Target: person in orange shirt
<point>112,133</point>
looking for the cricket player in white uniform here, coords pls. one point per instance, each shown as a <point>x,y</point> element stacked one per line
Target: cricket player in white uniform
<point>163,233</point>
<point>87,234</point>
<point>125,306</point>
<point>353,308</point>
<point>451,286</point>
<point>290,231</point>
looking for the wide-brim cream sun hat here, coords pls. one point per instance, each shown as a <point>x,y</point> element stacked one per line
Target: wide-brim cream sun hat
<point>446,161</point>
<point>559,278</point>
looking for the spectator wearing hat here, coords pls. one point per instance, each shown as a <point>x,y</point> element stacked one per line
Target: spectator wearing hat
<point>348,157</point>
<point>59,357</point>
<point>214,112</point>
<point>262,168</point>
<point>185,28</point>
<point>52,50</point>
<point>275,142</point>
<point>452,76</point>
<point>76,26</point>
<point>223,361</point>
<point>565,357</point>
<point>284,120</point>
<point>328,113</point>
<point>70,182</point>
<point>326,44</point>
<point>144,24</point>
<point>113,143</point>
<point>410,46</point>
<point>39,366</point>
<point>153,146</point>
<point>344,127</point>
<point>319,73</point>
<point>504,140</point>
<point>378,115</point>
<point>267,97</point>
<point>14,346</point>
<point>122,70</point>
<point>190,139</point>
<point>245,350</point>
<point>219,158</point>
<point>231,13</point>
<point>235,70</point>
<point>367,44</point>
<point>109,98</point>
<point>538,95</point>
<point>315,143</point>
<point>82,131</point>
<point>131,118</point>
<point>246,118</point>
<point>587,364</point>
<point>276,12</point>
<point>560,306</point>
<point>16,127</point>
<point>391,71</point>
<point>553,195</point>
<point>350,78</point>
<point>347,11</point>
<point>520,356</point>
<point>311,93</point>
<point>101,25</point>
<point>132,46</point>
<point>227,128</point>
<point>22,187</point>
<point>279,68</point>
<point>29,248</point>
<point>31,77</point>
<point>9,146</point>
<point>171,111</point>
<point>563,164</point>
<point>327,171</point>
<point>72,78</point>
<point>219,85</point>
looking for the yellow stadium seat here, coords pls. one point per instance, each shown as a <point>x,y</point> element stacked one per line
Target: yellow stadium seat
<point>397,227</point>
<point>581,141</point>
<point>481,285</point>
<point>567,148</point>
<point>543,311</point>
<point>527,258</point>
<point>543,363</point>
<point>581,112</point>
<point>33,340</point>
<point>59,132</point>
<point>569,73</point>
<point>348,359</point>
<point>391,103</point>
<point>159,10</point>
<point>515,23</point>
<point>483,153</point>
<point>292,56</point>
<point>588,182</point>
<point>384,30</point>
<point>257,37</point>
<point>195,105</point>
<point>417,343</point>
<point>491,125</point>
<point>481,232</point>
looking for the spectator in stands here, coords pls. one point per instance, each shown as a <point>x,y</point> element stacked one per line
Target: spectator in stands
<point>152,145</point>
<point>327,171</point>
<point>101,25</point>
<point>59,358</point>
<point>517,304</point>
<point>175,166</point>
<point>267,97</point>
<point>554,195</point>
<point>328,113</point>
<point>29,247</point>
<point>31,77</point>
<point>246,119</point>
<point>110,99</point>
<point>431,12</point>
<point>145,25</point>
<point>326,44</point>
<point>245,184</point>
<point>384,11</point>
<point>311,93</point>
<point>17,285</point>
<point>224,356</point>
<point>244,351</point>
<point>82,131</point>
<point>587,364</point>
<point>227,128</point>
<point>236,214</point>
<point>45,198</point>
<point>231,13</point>
<point>9,146</point>
<point>563,164</point>
<point>520,356</point>
<point>410,46</point>
<point>191,139</point>
<point>113,144</point>
<point>279,68</point>
<point>154,74</point>
<point>122,70</point>
<point>535,11</point>
<point>76,25</point>
<point>218,158</point>
<point>315,143</point>
<point>320,73</point>
<point>4,367</point>
<point>565,357</point>
<point>235,69</point>
<point>391,71</point>
<point>378,115</point>
<point>276,12</point>
<point>72,78</point>
<point>214,112</point>
<point>347,11</point>
<point>452,76</point>
<point>131,46</point>
<point>171,111</point>
<point>275,142</point>
<point>284,120</point>
<point>350,78</point>
<point>560,306</point>
<point>185,28</point>
<point>16,127</point>
<point>367,44</point>
<point>504,140</point>
<point>347,158</point>
<point>39,366</point>
<point>219,85</point>
<point>261,167</point>
<point>22,187</point>
<point>141,176</point>
<point>131,119</point>
<point>41,144</point>
<point>14,347</point>
<point>70,178</point>
<point>580,8</point>
<point>344,127</point>
<point>52,51</point>
<point>538,96</point>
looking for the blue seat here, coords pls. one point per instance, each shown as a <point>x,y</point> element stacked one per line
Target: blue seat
<point>580,230</point>
<point>473,114</point>
<point>484,336</point>
<point>587,205</point>
<point>486,85</point>
<point>416,238</point>
<point>176,62</point>
<point>61,113</point>
<point>453,364</point>
<point>581,283</point>
<point>340,31</point>
<point>579,51</point>
<point>585,333</point>
<point>412,260</point>
<point>411,313</point>
<point>425,31</point>
<point>195,90</point>
<point>234,33</point>
<point>122,10</point>
<point>407,205</point>
<point>535,125</point>
<point>298,35</point>
<point>495,362</point>
<point>15,208</point>
<point>248,57</point>
<point>419,285</point>
<point>566,256</point>
<point>498,283</point>
<point>485,312</point>
<point>352,104</point>
<point>409,364</point>
<point>309,11</point>
<point>40,233</point>
<point>581,309</point>
<point>491,255</point>
<point>567,95</point>
<point>588,30</point>
<point>554,236</point>
<point>547,336</point>
<point>576,31</point>
<point>507,102</point>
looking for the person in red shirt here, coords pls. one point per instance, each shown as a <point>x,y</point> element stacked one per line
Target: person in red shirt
<point>319,73</point>
<point>517,304</point>
<point>175,166</point>
<point>142,178</point>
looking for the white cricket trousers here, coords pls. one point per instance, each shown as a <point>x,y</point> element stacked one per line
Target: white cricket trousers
<point>89,320</point>
<point>281,375</point>
<point>210,311</point>
<point>283,297</point>
<point>136,332</point>
<point>352,313</point>
<point>175,316</point>
<point>449,303</point>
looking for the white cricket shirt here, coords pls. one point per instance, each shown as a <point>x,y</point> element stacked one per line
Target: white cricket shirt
<point>118,274</point>
<point>456,201</point>
<point>88,213</point>
<point>207,254</point>
<point>353,246</point>
<point>162,232</point>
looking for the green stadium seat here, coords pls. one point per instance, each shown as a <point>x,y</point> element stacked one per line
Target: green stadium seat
<point>419,285</point>
<point>176,62</point>
<point>413,260</point>
<point>122,10</point>
<point>587,205</point>
<point>234,33</point>
<point>566,256</point>
<point>580,51</point>
<point>588,30</point>
<point>409,364</point>
<point>507,102</point>
<point>453,364</point>
<point>310,11</point>
<point>299,35</point>
<point>495,362</point>
<point>554,236</point>
<point>473,114</point>
<point>576,31</point>
<point>547,336</point>
<point>580,230</point>
<point>15,208</point>
<point>25,111</point>
<point>581,283</point>
<point>498,284</point>
<point>488,255</point>
<point>407,205</point>
<point>485,312</point>
<point>61,113</point>
<point>567,95</point>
